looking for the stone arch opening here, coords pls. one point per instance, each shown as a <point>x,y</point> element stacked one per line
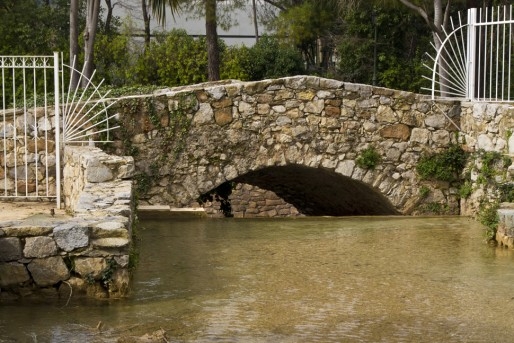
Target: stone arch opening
<point>319,191</point>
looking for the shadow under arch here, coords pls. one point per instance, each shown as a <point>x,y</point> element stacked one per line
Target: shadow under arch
<point>319,192</point>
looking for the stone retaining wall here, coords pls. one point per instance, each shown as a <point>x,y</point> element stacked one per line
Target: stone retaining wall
<point>85,253</point>
<point>505,231</point>
<point>253,202</point>
<point>31,159</point>
<point>486,128</point>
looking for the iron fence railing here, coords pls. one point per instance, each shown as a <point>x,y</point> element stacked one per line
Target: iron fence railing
<point>30,153</point>
<point>39,116</point>
<point>476,59</point>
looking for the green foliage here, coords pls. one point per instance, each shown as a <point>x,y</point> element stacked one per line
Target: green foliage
<point>107,273</point>
<point>488,216</point>
<point>90,280</point>
<point>179,124</point>
<point>233,60</point>
<point>173,59</point>
<point>269,59</point>
<point>30,27</point>
<point>465,190</point>
<point>114,59</point>
<point>435,208</point>
<point>444,166</point>
<point>310,26</point>
<point>506,192</point>
<point>423,192</point>
<point>143,183</point>
<point>368,159</point>
<point>400,53</point>
<point>491,164</point>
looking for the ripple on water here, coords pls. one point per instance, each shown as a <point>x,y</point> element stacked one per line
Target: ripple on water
<point>362,279</point>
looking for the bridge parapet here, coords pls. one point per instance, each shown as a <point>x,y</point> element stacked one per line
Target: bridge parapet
<point>299,135</point>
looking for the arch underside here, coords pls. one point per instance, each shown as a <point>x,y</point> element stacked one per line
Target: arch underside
<point>320,192</point>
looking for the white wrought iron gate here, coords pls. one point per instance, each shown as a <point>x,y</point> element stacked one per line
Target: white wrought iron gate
<point>40,116</point>
<point>30,157</point>
<point>476,59</point>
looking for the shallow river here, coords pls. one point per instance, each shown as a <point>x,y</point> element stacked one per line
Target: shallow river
<point>365,279</point>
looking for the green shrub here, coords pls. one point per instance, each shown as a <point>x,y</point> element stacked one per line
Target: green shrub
<point>423,192</point>
<point>488,216</point>
<point>435,208</point>
<point>173,59</point>
<point>233,60</point>
<point>506,192</point>
<point>368,159</point>
<point>465,190</point>
<point>444,166</point>
<point>269,59</point>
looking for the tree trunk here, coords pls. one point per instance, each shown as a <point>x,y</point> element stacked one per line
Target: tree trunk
<point>108,16</point>
<point>92,12</point>
<point>213,54</point>
<point>438,35</point>
<point>255,25</point>
<point>146,20</point>
<point>74,43</point>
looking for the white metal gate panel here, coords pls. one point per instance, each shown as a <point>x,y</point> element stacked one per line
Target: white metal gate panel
<point>476,59</point>
<point>30,158</point>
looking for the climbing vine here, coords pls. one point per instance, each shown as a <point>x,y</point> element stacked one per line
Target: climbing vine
<point>180,123</point>
<point>443,166</point>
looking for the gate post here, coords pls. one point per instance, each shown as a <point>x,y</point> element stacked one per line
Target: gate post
<point>471,54</point>
<point>57,119</point>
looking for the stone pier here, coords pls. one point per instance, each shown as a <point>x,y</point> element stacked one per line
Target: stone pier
<point>83,252</point>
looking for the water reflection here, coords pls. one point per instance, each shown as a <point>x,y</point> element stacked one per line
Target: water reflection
<point>379,279</point>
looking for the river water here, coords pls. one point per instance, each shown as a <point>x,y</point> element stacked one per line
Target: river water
<point>353,279</point>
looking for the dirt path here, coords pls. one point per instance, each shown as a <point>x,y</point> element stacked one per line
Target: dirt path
<point>10,210</point>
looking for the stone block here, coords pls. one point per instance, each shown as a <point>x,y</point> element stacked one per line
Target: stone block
<point>419,135</point>
<point>78,286</point>
<point>40,145</point>
<point>71,236</point>
<point>223,116</point>
<point>115,242</point>
<point>436,121</point>
<point>48,271</point>
<point>119,283</point>
<point>92,266</point>
<point>314,106</point>
<point>10,249</point>
<point>13,274</point>
<point>122,261</point>
<point>398,131</point>
<point>29,230</point>
<point>204,115</point>
<point>97,172</point>
<point>24,187</point>
<point>39,247</point>
<point>110,229</point>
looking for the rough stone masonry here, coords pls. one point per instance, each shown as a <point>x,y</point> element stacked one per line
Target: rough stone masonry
<point>84,253</point>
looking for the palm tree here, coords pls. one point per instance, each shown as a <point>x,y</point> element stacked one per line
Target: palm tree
<point>159,10</point>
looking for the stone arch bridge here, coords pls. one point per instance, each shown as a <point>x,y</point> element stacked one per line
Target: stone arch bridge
<point>298,137</point>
